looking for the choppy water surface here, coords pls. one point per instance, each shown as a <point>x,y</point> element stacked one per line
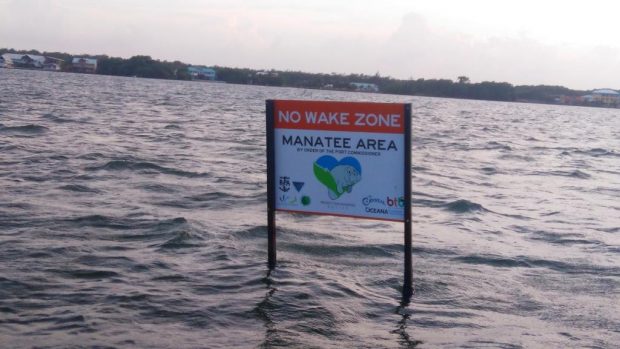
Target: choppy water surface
<point>132,214</point>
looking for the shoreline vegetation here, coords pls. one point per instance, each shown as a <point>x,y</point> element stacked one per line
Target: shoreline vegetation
<point>147,67</point>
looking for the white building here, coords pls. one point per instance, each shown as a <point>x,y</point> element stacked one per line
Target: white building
<point>20,60</point>
<point>364,87</point>
<point>604,96</point>
<point>84,65</point>
<point>199,72</point>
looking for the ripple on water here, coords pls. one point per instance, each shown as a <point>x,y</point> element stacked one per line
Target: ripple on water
<point>132,214</point>
<point>31,129</point>
<point>145,167</point>
<point>463,206</point>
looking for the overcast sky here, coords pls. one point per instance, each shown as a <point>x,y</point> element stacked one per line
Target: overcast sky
<point>570,43</point>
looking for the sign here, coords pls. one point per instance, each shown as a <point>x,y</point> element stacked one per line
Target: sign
<point>340,158</point>
<point>347,159</point>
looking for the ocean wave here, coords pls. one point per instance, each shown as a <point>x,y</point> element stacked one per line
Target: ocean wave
<point>31,129</point>
<point>144,166</point>
<point>79,188</point>
<point>528,262</point>
<point>463,206</point>
<point>574,174</point>
<point>598,152</point>
<point>56,118</point>
<point>181,239</point>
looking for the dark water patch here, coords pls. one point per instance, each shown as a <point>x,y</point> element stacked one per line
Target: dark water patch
<point>515,216</point>
<point>326,250</point>
<point>597,152</point>
<point>31,129</point>
<point>418,250</point>
<point>257,232</point>
<point>497,146</point>
<point>56,118</point>
<point>145,167</point>
<point>562,238</point>
<point>489,170</point>
<point>11,287</point>
<point>214,196</point>
<point>18,205</point>
<point>7,310</point>
<point>79,188</point>
<point>172,278</point>
<point>149,230</point>
<point>90,274</point>
<point>491,344</point>
<point>416,194</point>
<point>517,157</point>
<point>431,322</point>
<point>105,261</point>
<point>10,147</point>
<point>158,188</point>
<point>181,239</point>
<point>579,174</point>
<point>260,232</point>
<point>572,174</point>
<point>526,262</point>
<point>40,255</point>
<point>494,261</point>
<point>91,156</point>
<point>38,179</point>
<point>100,221</point>
<point>60,321</point>
<point>613,249</point>
<point>172,127</point>
<point>463,206</point>
<point>432,183</point>
<point>214,200</point>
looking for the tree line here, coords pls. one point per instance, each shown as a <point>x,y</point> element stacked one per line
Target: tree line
<point>147,67</point>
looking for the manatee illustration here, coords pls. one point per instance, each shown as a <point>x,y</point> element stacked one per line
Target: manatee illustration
<point>345,177</point>
<point>338,176</point>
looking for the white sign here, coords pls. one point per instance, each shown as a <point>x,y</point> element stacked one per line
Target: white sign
<point>340,158</point>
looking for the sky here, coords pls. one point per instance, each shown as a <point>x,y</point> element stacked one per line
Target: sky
<point>571,43</point>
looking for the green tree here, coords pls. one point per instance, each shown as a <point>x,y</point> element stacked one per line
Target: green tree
<point>463,79</point>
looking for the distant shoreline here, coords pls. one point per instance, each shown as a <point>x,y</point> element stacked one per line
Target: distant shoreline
<point>462,88</point>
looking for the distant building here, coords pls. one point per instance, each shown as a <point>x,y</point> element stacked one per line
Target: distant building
<point>34,61</point>
<point>267,73</point>
<point>364,87</point>
<point>19,60</point>
<point>606,97</point>
<point>84,65</point>
<point>198,72</point>
<point>588,98</point>
<point>52,63</point>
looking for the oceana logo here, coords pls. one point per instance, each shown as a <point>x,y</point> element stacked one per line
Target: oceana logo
<point>369,200</point>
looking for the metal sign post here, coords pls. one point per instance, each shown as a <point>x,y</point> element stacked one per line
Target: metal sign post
<point>408,277</point>
<point>271,194</point>
<point>342,159</point>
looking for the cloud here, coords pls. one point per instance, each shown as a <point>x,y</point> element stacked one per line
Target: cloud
<point>316,37</point>
<point>419,48</point>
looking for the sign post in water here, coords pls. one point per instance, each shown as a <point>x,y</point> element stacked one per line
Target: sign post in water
<point>347,159</point>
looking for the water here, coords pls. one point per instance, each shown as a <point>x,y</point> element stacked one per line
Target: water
<point>133,214</point>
